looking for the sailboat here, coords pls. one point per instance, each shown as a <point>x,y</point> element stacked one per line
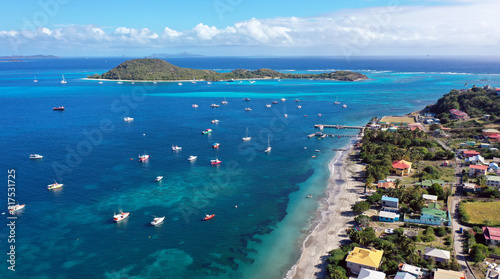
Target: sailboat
<point>63,81</point>
<point>194,81</point>
<point>119,80</point>
<point>247,136</point>
<point>35,80</point>
<point>337,101</point>
<point>268,149</point>
<point>224,102</point>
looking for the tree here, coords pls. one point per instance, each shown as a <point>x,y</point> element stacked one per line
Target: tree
<point>362,220</point>
<point>360,207</point>
<point>376,197</point>
<point>397,183</point>
<point>437,190</point>
<point>478,252</point>
<point>336,272</point>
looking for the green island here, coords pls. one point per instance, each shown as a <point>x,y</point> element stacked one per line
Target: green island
<point>415,170</point>
<point>160,70</point>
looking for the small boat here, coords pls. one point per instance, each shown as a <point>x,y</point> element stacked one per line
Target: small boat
<point>231,80</point>
<point>299,107</point>
<point>133,82</point>
<point>143,158</point>
<point>54,185</point>
<point>247,136</point>
<point>194,81</point>
<point>215,121</point>
<point>216,145</point>
<point>224,102</point>
<point>305,115</point>
<point>58,108</point>
<point>35,80</point>
<point>176,148</point>
<point>214,105</point>
<point>309,196</point>
<point>336,101</point>
<point>120,216</point>
<point>319,114</point>
<point>268,149</point>
<point>209,82</point>
<point>36,156</point>
<point>286,115</point>
<point>317,150</point>
<point>180,83</point>
<point>128,119</point>
<point>192,158</point>
<point>283,99</point>
<point>100,82</point>
<point>252,81</point>
<point>215,162</point>
<point>63,81</point>
<point>344,106</point>
<point>159,178</point>
<point>194,105</point>
<point>119,80</point>
<point>268,105</point>
<point>248,109</point>
<point>297,100</point>
<point>274,102</point>
<point>158,220</point>
<point>208,217</point>
<point>246,99</point>
<point>14,208</point>
<point>207,131</point>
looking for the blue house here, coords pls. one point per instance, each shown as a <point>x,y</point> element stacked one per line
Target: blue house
<point>390,202</point>
<point>386,216</point>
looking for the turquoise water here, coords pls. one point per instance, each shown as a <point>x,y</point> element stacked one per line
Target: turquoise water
<point>262,213</point>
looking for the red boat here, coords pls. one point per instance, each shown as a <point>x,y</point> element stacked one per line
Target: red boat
<point>143,158</point>
<point>208,217</point>
<point>215,162</point>
<point>216,145</point>
<point>58,108</point>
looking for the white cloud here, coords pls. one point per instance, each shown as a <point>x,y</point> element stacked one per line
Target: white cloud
<point>466,23</point>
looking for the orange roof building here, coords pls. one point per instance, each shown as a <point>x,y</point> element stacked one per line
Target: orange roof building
<point>401,167</point>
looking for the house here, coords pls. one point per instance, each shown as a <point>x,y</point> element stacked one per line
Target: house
<point>404,275</point>
<point>415,126</point>
<point>494,138</point>
<point>446,163</point>
<point>429,121</point>
<point>476,170</point>
<point>414,270</point>
<point>491,235</point>
<point>386,184</point>
<point>436,254</point>
<point>370,274</point>
<point>470,153</point>
<point>484,145</point>
<point>456,114</point>
<point>493,181</point>
<point>489,132</point>
<point>428,183</point>
<point>471,143</point>
<point>390,209</point>
<point>360,258</point>
<point>430,198</point>
<point>475,159</point>
<point>401,167</point>
<point>434,215</point>
<point>390,202</point>
<point>386,216</point>
<point>471,187</point>
<point>447,274</point>
<point>392,129</point>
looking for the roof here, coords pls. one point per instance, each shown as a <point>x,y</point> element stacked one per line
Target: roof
<point>370,274</point>
<point>403,275</point>
<point>492,178</point>
<point>430,197</point>
<point>491,233</point>
<point>386,198</point>
<point>401,164</point>
<point>434,212</point>
<point>448,274</point>
<point>365,257</point>
<point>478,167</point>
<point>437,253</point>
<point>471,152</point>
<point>411,269</point>
<point>491,131</point>
<point>387,214</point>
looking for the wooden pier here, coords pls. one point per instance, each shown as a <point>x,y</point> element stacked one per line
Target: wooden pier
<point>322,135</point>
<point>321,126</point>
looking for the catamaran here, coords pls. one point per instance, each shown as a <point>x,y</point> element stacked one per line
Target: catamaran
<point>247,136</point>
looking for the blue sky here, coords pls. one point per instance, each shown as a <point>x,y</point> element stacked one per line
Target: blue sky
<point>245,28</point>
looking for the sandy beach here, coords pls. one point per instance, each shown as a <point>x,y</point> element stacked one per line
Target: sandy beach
<point>334,216</point>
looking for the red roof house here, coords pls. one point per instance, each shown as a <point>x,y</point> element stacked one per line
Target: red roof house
<point>401,167</point>
<point>477,170</point>
<point>492,235</point>
<point>470,153</point>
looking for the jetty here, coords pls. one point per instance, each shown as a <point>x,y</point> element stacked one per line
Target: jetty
<point>324,135</point>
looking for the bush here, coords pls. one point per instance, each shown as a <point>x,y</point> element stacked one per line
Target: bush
<point>360,207</point>
<point>441,231</point>
<point>478,252</point>
<point>362,220</point>
<point>376,197</point>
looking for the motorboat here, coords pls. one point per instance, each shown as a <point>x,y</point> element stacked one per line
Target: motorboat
<point>215,162</point>
<point>157,220</point>
<point>14,208</point>
<point>299,107</point>
<point>274,102</point>
<point>36,156</point>
<point>192,158</point>
<point>128,119</point>
<point>344,106</point>
<point>248,109</point>
<point>214,105</point>
<point>208,217</point>
<point>143,158</point>
<point>176,148</point>
<point>207,131</point>
<point>246,99</point>
<point>194,105</point>
<point>283,99</point>
<point>120,216</point>
<point>159,178</point>
<point>286,115</point>
<point>58,108</point>
<point>215,121</point>
<point>54,185</point>
<point>216,145</point>
<point>297,100</point>
<point>268,149</point>
<point>268,105</point>
<point>180,83</point>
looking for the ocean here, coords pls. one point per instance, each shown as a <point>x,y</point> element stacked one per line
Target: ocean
<point>259,199</point>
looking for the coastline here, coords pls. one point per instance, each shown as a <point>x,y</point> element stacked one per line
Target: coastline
<point>190,80</point>
<point>333,216</point>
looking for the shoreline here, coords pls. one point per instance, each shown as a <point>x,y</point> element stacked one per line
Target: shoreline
<point>202,80</point>
<point>332,218</point>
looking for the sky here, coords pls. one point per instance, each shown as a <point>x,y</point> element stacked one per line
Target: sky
<point>250,28</point>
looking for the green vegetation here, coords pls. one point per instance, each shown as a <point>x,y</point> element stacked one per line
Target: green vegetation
<point>158,69</point>
<point>479,252</point>
<point>476,102</point>
<point>360,207</point>
<point>480,213</point>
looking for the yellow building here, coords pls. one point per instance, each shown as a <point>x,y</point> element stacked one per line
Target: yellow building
<point>360,258</point>
<point>401,167</point>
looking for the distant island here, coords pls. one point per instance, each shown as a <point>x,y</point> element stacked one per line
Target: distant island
<point>174,55</point>
<point>158,69</point>
<point>39,56</point>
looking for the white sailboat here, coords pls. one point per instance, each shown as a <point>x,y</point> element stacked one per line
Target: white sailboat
<point>35,80</point>
<point>337,101</point>
<point>224,102</point>
<point>119,80</point>
<point>63,81</point>
<point>247,136</point>
<point>268,149</point>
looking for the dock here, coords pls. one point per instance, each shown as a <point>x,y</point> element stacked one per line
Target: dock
<point>324,135</point>
<point>322,126</point>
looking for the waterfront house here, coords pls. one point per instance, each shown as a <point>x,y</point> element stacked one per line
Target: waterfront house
<point>431,215</point>
<point>447,274</point>
<point>390,202</point>
<point>477,170</point>
<point>386,216</point>
<point>360,258</point>
<point>386,184</point>
<point>436,254</point>
<point>470,153</point>
<point>401,167</point>
<point>370,274</point>
<point>491,235</point>
<point>493,181</point>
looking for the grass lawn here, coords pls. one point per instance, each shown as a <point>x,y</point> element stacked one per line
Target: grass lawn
<point>480,212</point>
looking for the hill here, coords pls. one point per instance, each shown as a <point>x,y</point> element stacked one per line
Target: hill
<point>158,69</point>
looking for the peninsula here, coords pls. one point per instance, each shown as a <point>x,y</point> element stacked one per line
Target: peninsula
<point>158,69</point>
